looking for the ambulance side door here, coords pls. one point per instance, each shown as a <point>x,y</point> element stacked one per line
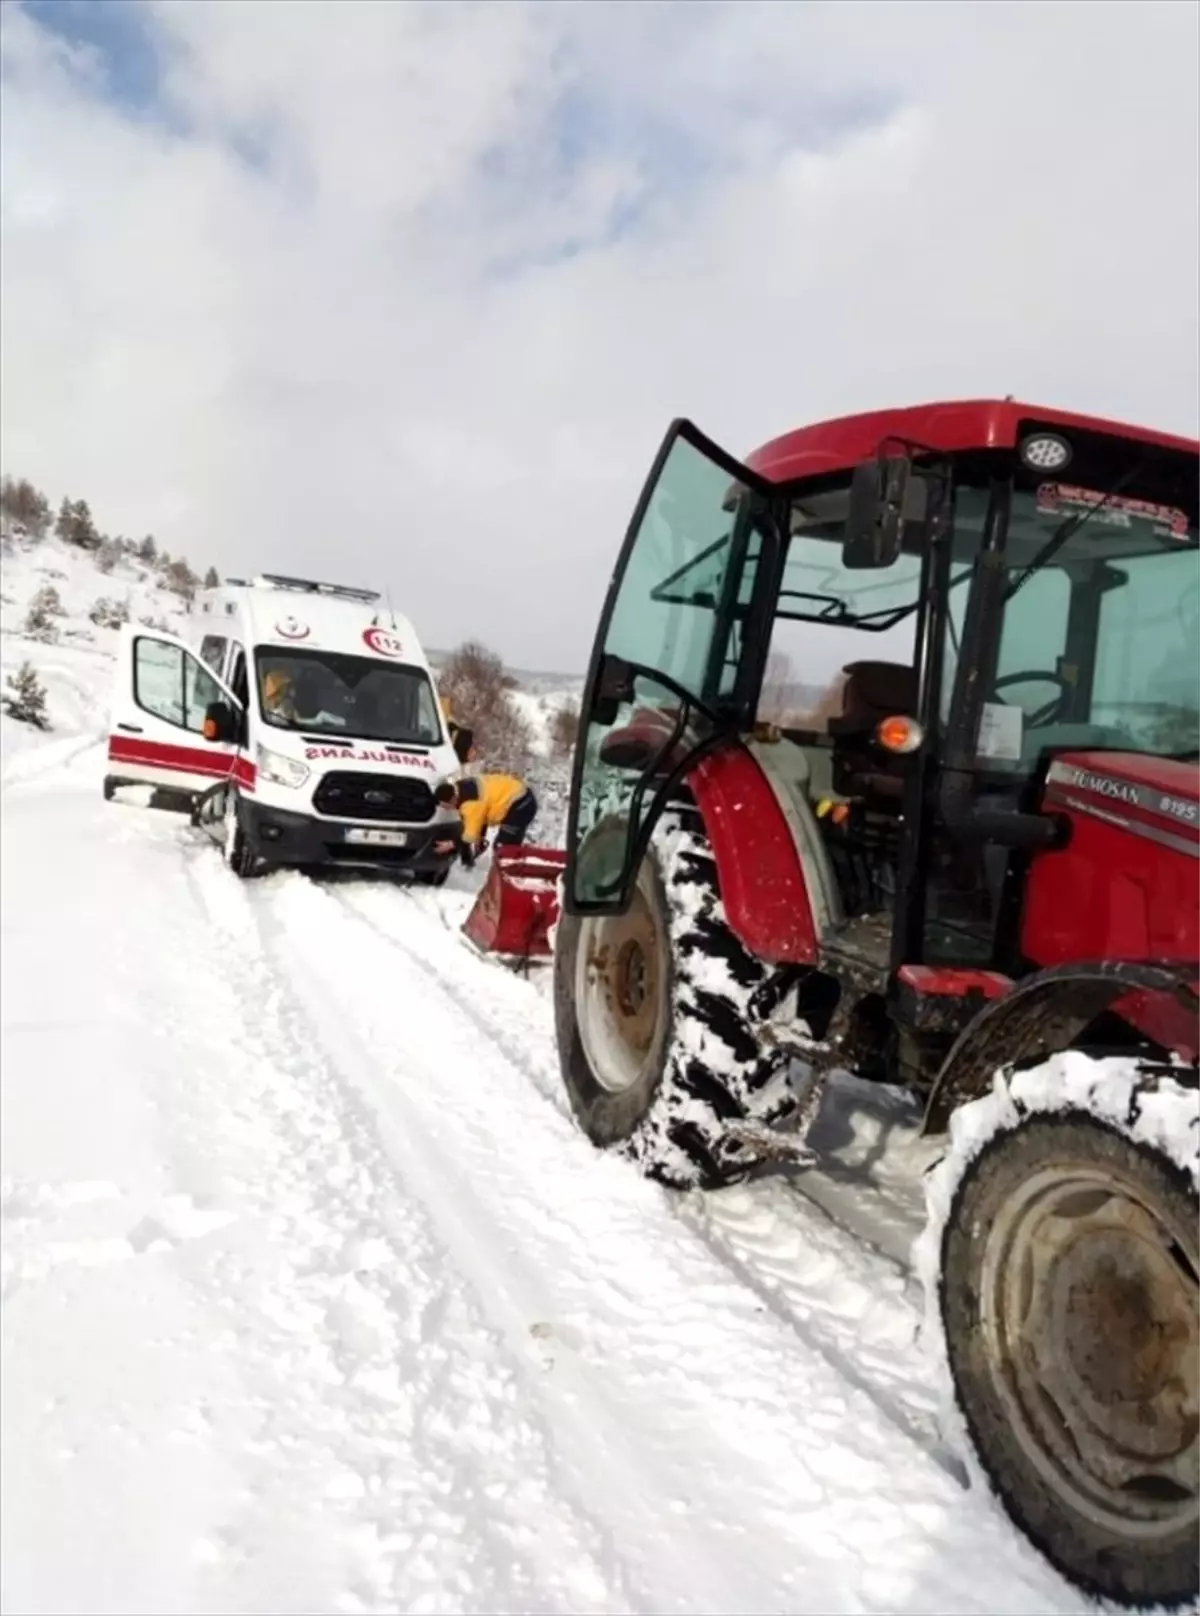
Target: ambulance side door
<point>162,694</point>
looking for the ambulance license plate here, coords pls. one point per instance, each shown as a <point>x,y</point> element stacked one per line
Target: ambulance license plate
<point>378,838</point>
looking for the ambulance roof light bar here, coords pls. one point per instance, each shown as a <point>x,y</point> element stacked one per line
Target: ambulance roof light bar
<point>309,586</point>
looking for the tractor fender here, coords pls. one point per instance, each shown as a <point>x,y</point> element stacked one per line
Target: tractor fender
<point>759,873</point>
<point>1046,1011</point>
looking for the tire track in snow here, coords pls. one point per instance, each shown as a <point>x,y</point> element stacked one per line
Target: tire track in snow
<point>774,1472</point>
<point>783,1247</point>
<point>38,764</point>
<point>410,1399</point>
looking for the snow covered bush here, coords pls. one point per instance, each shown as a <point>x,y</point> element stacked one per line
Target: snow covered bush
<point>44,606</point>
<point>107,555</point>
<point>106,613</point>
<point>25,699</point>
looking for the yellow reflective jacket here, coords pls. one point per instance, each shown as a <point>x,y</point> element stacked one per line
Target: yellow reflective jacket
<point>484,799</point>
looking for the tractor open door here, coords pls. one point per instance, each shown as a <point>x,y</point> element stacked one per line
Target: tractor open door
<point>162,693</point>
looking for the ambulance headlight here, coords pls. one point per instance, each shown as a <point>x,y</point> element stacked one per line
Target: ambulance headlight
<point>280,770</point>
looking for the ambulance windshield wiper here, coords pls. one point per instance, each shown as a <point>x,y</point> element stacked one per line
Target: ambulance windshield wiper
<point>1068,529</point>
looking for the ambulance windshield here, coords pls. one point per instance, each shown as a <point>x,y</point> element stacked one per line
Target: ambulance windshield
<point>361,698</point>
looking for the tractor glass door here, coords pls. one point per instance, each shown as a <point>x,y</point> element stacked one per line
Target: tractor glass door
<point>670,659</point>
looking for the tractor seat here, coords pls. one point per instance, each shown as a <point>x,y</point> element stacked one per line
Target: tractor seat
<point>873,691</point>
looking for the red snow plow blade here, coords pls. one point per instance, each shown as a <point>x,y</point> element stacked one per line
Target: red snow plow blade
<point>518,903</point>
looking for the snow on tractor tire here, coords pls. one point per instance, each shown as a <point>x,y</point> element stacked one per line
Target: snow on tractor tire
<point>1060,1265</point>
<point>659,1056</point>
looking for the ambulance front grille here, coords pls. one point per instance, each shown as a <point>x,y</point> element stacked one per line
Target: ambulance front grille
<point>386,797</point>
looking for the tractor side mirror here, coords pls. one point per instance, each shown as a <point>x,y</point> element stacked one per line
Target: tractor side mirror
<point>614,689</point>
<point>220,722</point>
<point>883,496</point>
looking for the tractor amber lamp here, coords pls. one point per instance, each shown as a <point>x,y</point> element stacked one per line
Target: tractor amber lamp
<point>899,734</point>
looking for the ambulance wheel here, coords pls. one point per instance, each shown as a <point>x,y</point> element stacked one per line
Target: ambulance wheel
<point>236,849</point>
<point>654,1045</point>
<point>110,787</point>
<point>1068,1301</point>
<point>432,878</point>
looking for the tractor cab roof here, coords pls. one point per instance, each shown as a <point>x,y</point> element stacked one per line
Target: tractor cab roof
<point>955,427</point>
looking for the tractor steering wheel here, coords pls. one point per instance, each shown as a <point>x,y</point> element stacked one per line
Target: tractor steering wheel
<point>1052,709</point>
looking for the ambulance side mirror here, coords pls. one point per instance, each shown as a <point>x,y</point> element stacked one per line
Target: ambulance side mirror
<point>220,722</point>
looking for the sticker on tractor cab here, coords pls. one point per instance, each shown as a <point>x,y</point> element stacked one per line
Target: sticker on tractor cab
<point>383,642</point>
<point>1001,732</point>
<point>1118,510</point>
<point>370,754</point>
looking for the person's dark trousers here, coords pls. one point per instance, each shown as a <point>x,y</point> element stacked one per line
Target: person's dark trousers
<point>512,828</point>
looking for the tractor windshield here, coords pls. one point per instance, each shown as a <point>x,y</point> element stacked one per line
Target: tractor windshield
<point>1098,638</point>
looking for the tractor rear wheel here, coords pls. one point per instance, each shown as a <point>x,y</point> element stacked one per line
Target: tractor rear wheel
<point>655,1046</point>
<point>1068,1301</point>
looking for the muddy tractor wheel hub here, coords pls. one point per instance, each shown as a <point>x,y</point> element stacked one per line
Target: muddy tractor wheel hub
<point>1089,1305</point>
<point>620,993</point>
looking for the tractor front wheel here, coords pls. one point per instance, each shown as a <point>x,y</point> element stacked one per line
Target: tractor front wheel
<point>657,1052</point>
<point>1068,1300</point>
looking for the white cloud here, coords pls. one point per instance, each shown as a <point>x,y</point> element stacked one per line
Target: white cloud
<point>430,332</point>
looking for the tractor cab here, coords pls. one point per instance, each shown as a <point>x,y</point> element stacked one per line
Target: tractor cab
<point>905,619</point>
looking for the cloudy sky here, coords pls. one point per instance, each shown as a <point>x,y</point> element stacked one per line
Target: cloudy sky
<point>407,293</point>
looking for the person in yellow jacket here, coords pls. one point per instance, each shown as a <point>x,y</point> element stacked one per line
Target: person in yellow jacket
<point>499,802</point>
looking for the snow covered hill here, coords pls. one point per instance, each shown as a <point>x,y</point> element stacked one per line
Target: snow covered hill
<point>314,1299</point>
<point>74,656</point>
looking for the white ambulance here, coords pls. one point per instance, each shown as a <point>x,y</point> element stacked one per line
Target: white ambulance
<point>300,722</point>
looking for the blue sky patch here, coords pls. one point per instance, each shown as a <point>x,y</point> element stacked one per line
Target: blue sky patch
<point>121,35</point>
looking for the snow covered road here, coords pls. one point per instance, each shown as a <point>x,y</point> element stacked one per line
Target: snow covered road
<point>315,1300</point>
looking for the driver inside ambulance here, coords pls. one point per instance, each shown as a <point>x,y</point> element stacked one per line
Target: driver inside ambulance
<point>277,697</point>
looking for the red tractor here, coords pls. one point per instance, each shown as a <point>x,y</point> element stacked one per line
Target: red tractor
<point>974,875</point>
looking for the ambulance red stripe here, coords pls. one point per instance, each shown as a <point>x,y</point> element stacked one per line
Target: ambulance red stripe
<point>181,759</point>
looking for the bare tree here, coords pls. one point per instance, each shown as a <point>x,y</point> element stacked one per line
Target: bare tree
<point>179,578</point>
<point>473,685</point>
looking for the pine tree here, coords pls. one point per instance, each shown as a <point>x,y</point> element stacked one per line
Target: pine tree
<point>44,606</point>
<point>83,530</point>
<point>63,525</point>
<point>212,578</point>
<point>26,701</point>
<point>25,506</point>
